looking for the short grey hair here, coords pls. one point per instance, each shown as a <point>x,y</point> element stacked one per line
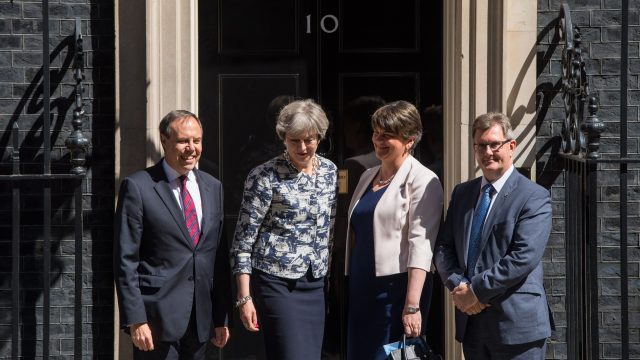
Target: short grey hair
<point>485,121</point>
<point>399,118</point>
<point>302,117</point>
<point>167,120</point>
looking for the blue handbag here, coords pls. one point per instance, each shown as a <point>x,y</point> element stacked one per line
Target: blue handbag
<point>410,349</point>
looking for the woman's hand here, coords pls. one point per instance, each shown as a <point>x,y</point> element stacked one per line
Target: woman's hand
<point>412,320</point>
<point>249,316</point>
<point>412,324</point>
<point>245,303</point>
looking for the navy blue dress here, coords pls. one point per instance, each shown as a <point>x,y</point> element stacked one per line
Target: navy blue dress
<point>375,303</point>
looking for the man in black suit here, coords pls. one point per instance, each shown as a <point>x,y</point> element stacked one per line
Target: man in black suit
<point>171,267</point>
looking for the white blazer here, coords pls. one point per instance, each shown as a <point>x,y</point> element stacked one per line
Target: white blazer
<point>405,220</point>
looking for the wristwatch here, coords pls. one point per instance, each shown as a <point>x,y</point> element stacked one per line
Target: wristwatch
<point>411,310</point>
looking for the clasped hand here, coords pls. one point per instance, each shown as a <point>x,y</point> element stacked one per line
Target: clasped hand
<point>466,301</point>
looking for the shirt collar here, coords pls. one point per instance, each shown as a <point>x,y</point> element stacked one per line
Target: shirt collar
<point>172,175</point>
<point>499,183</point>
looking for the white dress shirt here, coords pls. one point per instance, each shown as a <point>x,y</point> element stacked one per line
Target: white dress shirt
<point>497,186</point>
<point>192,187</point>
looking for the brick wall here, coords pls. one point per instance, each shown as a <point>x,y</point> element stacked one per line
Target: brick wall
<point>600,24</point>
<point>21,101</point>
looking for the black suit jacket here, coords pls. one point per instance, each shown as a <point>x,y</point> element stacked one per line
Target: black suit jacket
<point>160,275</point>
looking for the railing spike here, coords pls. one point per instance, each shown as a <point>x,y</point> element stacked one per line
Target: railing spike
<point>15,150</point>
<point>77,142</point>
<point>592,127</point>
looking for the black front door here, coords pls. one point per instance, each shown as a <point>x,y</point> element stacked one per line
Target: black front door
<point>350,56</point>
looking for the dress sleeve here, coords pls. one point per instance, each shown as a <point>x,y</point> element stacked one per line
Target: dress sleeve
<point>256,202</point>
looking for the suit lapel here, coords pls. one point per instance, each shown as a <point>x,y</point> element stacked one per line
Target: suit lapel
<point>468,208</point>
<point>206,196</point>
<point>367,177</point>
<point>399,181</point>
<point>166,195</point>
<point>496,209</point>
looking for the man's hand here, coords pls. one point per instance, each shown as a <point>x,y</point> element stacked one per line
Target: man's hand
<point>220,336</point>
<point>475,308</point>
<point>141,336</point>
<point>466,301</point>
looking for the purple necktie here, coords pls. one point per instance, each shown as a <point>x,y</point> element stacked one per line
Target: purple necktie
<point>189,209</point>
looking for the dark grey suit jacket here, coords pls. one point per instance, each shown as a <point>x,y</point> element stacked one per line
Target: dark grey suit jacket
<point>508,274</point>
<point>160,275</point>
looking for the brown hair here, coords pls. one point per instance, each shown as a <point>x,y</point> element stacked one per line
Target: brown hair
<point>167,120</point>
<point>399,118</point>
<point>486,121</point>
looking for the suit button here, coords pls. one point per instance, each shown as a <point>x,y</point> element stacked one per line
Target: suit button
<point>190,278</point>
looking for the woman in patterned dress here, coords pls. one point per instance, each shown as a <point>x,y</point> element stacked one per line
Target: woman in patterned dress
<point>280,252</point>
<point>394,217</point>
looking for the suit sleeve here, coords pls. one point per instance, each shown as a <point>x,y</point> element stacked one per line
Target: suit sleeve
<point>128,233</point>
<point>222,305</point>
<point>425,210</point>
<point>446,259</point>
<point>529,239</point>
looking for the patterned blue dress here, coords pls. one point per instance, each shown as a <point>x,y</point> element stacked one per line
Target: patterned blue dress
<point>375,303</point>
<point>283,239</point>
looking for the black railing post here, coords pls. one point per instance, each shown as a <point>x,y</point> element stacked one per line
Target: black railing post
<point>46,90</point>
<point>46,151</point>
<point>77,331</point>
<point>591,260</point>
<point>15,246</point>
<point>77,143</point>
<point>581,142</point>
<point>624,276</point>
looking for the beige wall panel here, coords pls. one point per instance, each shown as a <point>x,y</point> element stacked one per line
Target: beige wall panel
<point>520,76</point>
<point>171,64</point>
<point>156,72</point>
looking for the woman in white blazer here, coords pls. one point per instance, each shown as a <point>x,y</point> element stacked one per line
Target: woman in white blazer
<point>394,217</point>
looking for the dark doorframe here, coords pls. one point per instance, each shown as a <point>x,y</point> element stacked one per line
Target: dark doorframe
<point>256,55</point>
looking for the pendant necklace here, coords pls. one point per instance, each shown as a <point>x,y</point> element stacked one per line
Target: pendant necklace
<point>385,182</point>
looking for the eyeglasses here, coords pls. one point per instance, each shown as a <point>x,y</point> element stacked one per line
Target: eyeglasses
<point>494,146</point>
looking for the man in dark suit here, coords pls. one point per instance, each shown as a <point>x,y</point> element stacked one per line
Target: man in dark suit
<point>489,250</point>
<point>171,266</point>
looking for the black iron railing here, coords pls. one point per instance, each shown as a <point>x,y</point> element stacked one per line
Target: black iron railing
<point>78,144</point>
<point>583,163</point>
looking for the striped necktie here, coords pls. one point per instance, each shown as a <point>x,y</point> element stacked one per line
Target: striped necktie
<point>189,209</point>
